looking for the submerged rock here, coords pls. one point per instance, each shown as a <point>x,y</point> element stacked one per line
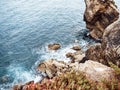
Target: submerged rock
<point>17,87</point>
<point>54,46</point>
<point>98,15</point>
<point>93,71</point>
<point>4,79</point>
<point>96,53</point>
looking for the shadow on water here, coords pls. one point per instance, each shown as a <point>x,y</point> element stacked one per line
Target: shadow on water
<point>84,35</point>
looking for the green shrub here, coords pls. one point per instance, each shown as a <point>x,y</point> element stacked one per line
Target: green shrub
<point>77,81</point>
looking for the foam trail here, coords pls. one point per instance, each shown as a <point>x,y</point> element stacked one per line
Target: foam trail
<point>59,55</point>
<point>20,76</point>
<point>45,54</point>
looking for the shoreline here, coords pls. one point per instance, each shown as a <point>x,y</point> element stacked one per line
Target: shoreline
<point>95,62</point>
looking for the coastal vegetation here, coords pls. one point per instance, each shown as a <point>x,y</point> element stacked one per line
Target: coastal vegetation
<point>97,68</point>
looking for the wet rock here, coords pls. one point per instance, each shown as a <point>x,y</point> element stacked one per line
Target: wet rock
<point>69,55</point>
<point>111,43</point>
<point>17,87</point>
<point>98,15</point>
<point>96,71</point>
<point>54,46</point>
<point>29,86</point>
<point>79,57</point>
<point>76,48</point>
<point>75,57</point>
<point>52,67</point>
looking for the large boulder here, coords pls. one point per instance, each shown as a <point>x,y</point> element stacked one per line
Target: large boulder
<point>98,15</point>
<point>109,50</point>
<point>76,48</point>
<point>93,71</point>
<point>111,36</point>
<point>96,71</point>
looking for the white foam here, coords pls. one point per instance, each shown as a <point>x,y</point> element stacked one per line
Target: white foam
<point>59,55</point>
<point>37,79</point>
<point>20,74</point>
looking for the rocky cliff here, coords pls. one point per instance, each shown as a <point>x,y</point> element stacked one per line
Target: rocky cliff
<point>98,15</point>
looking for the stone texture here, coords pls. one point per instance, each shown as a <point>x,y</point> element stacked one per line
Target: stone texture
<point>98,15</point>
<point>111,36</point>
<point>76,57</point>
<point>96,71</point>
<point>52,67</point>
<point>111,42</point>
<point>109,50</point>
<point>93,70</point>
<point>77,48</point>
<point>54,46</point>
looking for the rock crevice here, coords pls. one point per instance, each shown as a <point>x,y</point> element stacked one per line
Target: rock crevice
<point>98,15</point>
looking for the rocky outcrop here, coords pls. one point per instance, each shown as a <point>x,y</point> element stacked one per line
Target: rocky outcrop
<point>96,71</point>
<point>111,36</point>
<point>77,48</point>
<point>54,46</point>
<point>76,56</point>
<point>93,70</point>
<point>98,15</point>
<point>52,67</point>
<point>109,50</point>
<point>96,53</point>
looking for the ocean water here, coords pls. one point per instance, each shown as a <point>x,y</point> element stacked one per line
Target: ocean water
<point>28,26</point>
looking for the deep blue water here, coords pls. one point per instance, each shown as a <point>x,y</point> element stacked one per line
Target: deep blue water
<point>27,26</point>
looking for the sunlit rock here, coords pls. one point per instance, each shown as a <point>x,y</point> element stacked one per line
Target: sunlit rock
<point>54,46</point>
<point>98,15</point>
<point>76,57</point>
<point>96,71</point>
<point>109,50</point>
<point>52,67</point>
